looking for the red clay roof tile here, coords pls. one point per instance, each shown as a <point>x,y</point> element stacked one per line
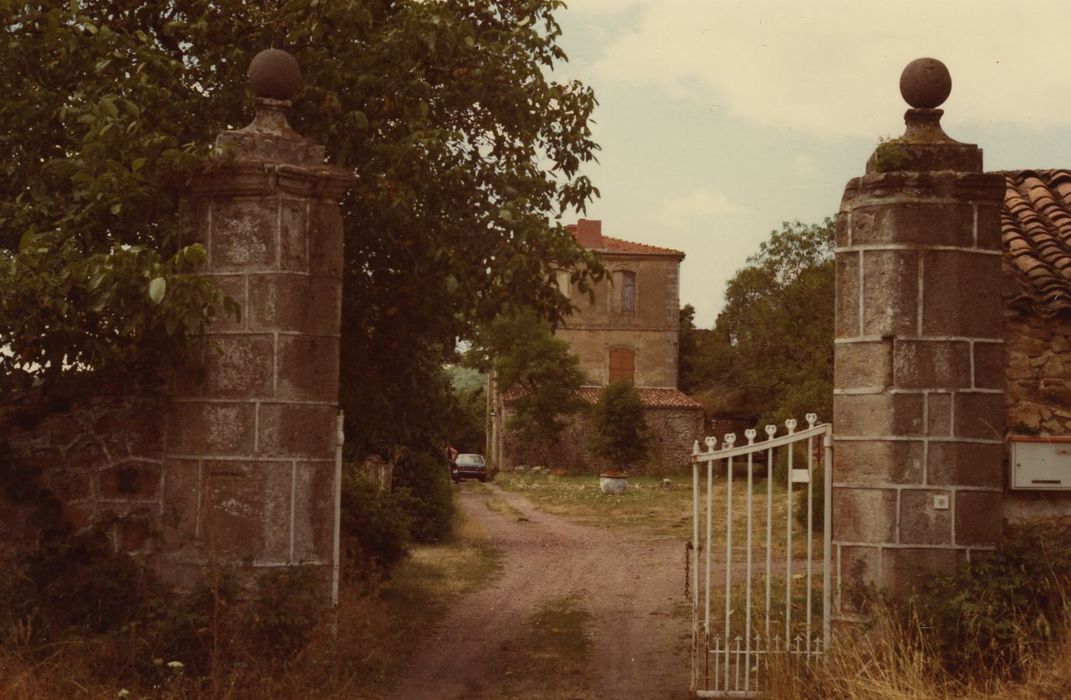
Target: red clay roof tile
<point>1036,231</point>
<point>652,397</point>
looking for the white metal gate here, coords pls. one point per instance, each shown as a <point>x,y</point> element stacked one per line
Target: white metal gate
<point>732,652</point>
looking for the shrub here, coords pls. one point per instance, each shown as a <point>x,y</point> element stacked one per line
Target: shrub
<point>422,485</point>
<point>620,429</point>
<point>289,604</point>
<point>998,609</point>
<point>375,526</point>
<point>73,585</point>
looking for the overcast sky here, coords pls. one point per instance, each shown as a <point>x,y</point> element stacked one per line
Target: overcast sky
<point>719,119</point>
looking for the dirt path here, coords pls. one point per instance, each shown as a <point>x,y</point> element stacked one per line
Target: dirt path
<point>630,584</point>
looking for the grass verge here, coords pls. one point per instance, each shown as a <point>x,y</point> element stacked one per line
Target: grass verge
<point>376,633</point>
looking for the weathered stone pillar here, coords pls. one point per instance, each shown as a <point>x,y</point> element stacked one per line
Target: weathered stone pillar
<point>249,469</point>
<point>918,404</point>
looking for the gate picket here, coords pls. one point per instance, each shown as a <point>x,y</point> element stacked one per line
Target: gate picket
<point>741,659</point>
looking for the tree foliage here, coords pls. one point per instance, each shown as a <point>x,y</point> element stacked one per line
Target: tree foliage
<point>539,368</point>
<point>619,428</point>
<point>771,349</point>
<point>465,153</point>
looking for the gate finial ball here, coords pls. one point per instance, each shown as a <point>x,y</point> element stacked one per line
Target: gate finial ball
<point>274,74</point>
<point>925,83</point>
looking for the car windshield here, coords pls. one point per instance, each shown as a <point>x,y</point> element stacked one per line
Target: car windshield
<point>469,461</point>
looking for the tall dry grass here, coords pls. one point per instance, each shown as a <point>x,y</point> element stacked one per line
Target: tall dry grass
<point>893,659</point>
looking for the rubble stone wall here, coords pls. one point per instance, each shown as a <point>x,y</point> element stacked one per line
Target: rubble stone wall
<point>1038,399</point>
<point>673,432</point>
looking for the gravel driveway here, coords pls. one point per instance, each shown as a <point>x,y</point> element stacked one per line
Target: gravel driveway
<point>629,583</point>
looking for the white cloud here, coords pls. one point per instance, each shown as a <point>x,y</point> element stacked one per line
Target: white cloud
<point>832,67</point>
<point>682,211</point>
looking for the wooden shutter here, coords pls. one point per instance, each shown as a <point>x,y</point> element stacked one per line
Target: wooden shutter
<point>622,365</point>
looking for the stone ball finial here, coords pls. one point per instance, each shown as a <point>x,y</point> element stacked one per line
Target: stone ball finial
<point>274,74</point>
<point>925,83</point>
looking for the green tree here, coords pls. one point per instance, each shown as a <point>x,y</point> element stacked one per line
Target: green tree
<point>619,428</point>
<point>465,152</point>
<point>540,371</point>
<point>771,348</point>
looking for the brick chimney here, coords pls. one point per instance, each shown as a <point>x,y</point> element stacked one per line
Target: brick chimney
<point>588,232</point>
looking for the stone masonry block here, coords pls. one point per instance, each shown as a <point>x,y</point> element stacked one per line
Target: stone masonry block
<point>196,428</point>
<point>244,234</point>
<point>196,217</point>
<point>979,416</point>
<point>979,517</point>
<point>961,295</point>
<point>860,572</point>
<point>989,227</point>
<point>939,415</point>
<point>841,229</point>
<point>931,365</point>
<point>864,515</point>
<point>293,235</point>
<point>246,510</point>
<point>232,286</point>
<point>848,295</point>
<point>878,462</point>
<point>914,223</point>
<point>890,292</point>
<point>906,569</point>
<point>858,365</point>
<point>965,464</point>
<point>295,303</point>
<point>86,453</point>
<point>878,415</point>
<point>238,366</point>
<point>181,502</point>
<point>314,511</point>
<point>325,239</point>
<point>989,365</point>
<point>297,430</point>
<point>130,480</point>
<point>69,485</point>
<point>308,368</point>
<point>920,522</point>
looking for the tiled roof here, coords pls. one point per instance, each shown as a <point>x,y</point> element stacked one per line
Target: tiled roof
<point>1036,231</point>
<point>616,245</point>
<point>652,397</point>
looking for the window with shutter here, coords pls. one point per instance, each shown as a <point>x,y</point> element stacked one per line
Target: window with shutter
<point>622,365</point>
<point>628,292</point>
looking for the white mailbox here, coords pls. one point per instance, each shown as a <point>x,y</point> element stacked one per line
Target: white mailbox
<point>1040,463</point>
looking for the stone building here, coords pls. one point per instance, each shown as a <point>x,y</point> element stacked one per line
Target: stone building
<point>628,330</point>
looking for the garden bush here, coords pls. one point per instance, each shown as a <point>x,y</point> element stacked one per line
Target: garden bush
<point>422,485</point>
<point>375,526</point>
<point>996,611</point>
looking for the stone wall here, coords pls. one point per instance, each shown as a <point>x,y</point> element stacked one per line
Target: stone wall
<point>101,459</point>
<point>673,431</point>
<point>596,327</point>
<point>1038,399</point>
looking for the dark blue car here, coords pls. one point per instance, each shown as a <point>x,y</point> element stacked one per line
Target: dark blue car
<point>468,466</point>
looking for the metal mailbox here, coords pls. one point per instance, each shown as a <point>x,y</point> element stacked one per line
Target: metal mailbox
<point>1040,463</point>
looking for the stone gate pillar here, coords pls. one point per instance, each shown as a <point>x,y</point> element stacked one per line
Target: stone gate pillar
<point>918,399</point>
<point>250,445</point>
